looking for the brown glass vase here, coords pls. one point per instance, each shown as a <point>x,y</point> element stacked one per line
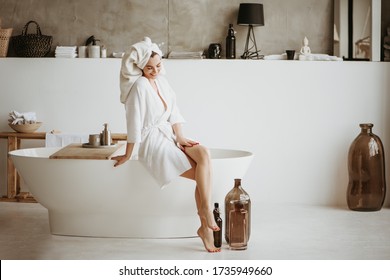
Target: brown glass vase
<point>366,169</point>
<point>237,194</point>
<point>238,226</point>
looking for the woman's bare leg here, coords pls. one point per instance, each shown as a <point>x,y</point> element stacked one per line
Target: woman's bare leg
<point>201,173</point>
<point>204,232</point>
<point>202,176</point>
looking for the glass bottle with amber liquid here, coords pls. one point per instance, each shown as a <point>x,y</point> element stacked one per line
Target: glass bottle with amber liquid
<point>218,221</point>
<point>238,226</point>
<point>366,170</point>
<point>237,194</point>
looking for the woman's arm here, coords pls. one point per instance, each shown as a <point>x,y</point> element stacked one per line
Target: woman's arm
<point>123,158</point>
<point>181,141</point>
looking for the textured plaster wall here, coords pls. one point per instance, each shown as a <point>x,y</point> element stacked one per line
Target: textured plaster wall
<point>188,25</point>
<point>385,22</point>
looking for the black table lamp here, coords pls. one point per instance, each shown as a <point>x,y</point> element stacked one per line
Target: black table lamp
<point>251,14</point>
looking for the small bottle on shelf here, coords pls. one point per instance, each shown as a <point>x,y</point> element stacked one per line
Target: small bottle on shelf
<point>231,43</point>
<point>106,136</point>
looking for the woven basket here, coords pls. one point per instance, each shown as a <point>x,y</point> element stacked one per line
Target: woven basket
<point>32,45</point>
<point>5,35</point>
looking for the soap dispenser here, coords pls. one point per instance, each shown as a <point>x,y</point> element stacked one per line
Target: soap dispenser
<point>93,49</point>
<point>106,136</point>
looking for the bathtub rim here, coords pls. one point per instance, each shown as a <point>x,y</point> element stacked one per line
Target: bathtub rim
<point>46,152</point>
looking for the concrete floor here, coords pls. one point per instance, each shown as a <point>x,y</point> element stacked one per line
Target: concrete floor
<point>279,232</point>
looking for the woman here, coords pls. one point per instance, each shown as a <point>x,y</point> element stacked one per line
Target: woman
<point>154,129</point>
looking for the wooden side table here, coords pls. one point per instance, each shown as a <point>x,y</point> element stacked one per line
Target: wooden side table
<point>13,181</point>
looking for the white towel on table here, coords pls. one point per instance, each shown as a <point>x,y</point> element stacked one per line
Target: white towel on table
<point>19,118</point>
<point>62,140</point>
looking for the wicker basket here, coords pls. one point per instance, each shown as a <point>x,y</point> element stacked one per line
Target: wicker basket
<point>32,45</point>
<point>5,35</point>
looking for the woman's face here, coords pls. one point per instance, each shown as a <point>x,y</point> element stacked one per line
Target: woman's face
<point>153,67</point>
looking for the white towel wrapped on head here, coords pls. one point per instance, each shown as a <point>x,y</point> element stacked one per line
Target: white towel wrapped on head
<point>133,62</point>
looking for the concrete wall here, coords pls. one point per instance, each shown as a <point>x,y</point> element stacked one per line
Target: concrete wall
<point>189,25</point>
<point>385,22</point>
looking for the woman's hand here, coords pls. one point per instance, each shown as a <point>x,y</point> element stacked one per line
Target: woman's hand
<point>123,158</point>
<point>182,143</point>
<point>120,159</point>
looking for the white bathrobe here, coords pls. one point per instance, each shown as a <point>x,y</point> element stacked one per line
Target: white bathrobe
<point>150,126</point>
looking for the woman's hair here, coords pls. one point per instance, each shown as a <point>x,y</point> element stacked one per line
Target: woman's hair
<point>153,54</point>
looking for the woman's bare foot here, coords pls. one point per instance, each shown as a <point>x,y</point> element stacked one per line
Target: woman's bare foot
<point>206,235</point>
<point>208,217</point>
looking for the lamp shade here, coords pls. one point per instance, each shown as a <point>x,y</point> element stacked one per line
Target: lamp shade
<point>251,14</point>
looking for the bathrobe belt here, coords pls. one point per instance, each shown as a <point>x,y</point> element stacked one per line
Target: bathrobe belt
<point>164,127</point>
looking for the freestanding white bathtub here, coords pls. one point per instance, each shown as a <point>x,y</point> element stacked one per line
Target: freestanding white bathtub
<point>92,198</point>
